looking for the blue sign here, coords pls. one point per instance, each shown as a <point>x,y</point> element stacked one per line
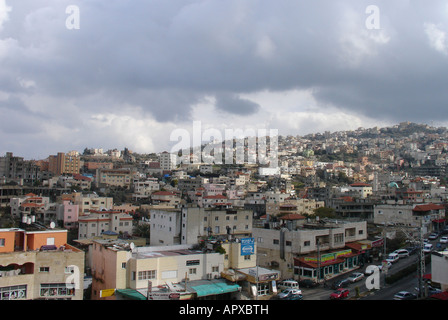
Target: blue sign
<point>247,246</point>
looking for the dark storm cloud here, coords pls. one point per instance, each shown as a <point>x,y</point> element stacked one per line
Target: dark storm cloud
<point>233,104</point>
<point>164,57</point>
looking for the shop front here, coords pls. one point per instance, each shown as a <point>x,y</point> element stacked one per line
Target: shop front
<point>327,266</point>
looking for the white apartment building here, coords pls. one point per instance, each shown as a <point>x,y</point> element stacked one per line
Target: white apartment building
<point>98,222</point>
<point>225,223</point>
<point>143,189</point>
<point>91,202</point>
<point>167,161</point>
<point>165,227</point>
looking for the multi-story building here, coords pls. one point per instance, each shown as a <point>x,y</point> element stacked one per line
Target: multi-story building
<point>17,169</point>
<point>89,202</point>
<point>38,264</point>
<point>165,226</point>
<point>114,178</point>
<point>411,215</point>
<point>68,212</point>
<point>198,223</point>
<point>29,205</point>
<point>285,249</point>
<point>293,206</point>
<point>135,270</point>
<point>98,222</point>
<point>143,189</point>
<point>167,161</point>
<point>64,163</point>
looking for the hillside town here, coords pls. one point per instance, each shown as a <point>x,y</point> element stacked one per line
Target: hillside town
<point>119,225</point>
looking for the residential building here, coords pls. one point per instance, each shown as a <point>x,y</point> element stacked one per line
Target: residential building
<point>167,161</point>
<point>68,212</point>
<point>156,272</point>
<point>98,222</point>
<point>280,248</point>
<point>166,198</point>
<point>64,163</point>
<point>200,223</point>
<point>165,226</point>
<point>421,215</point>
<point>89,202</point>
<point>143,189</point>
<point>114,178</point>
<point>18,170</point>
<point>38,264</point>
<point>439,268</point>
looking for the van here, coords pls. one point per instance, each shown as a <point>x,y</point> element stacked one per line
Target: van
<point>288,284</point>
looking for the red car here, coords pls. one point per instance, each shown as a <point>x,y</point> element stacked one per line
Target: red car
<point>340,294</point>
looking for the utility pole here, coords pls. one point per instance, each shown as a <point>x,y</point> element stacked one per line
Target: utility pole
<point>421,254</point>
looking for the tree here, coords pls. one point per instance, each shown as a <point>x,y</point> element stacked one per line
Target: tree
<point>325,212</point>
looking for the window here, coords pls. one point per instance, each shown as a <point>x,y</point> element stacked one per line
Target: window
<point>276,241</point>
<point>44,269</point>
<point>123,265</point>
<point>146,275</point>
<point>215,269</point>
<point>339,238</point>
<point>13,292</point>
<point>288,243</point>
<point>2,242</point>
<point>247,257</point>
<point>306,243</point>
<point>56,289</point>
<point>192,271</point>
<point>70,269</point>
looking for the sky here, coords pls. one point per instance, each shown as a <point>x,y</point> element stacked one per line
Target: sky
<point>128,73</point>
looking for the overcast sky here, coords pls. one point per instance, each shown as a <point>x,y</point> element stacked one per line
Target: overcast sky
<point>134,70</point>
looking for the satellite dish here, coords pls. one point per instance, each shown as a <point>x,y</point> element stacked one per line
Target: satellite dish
<point>132,245</point>
<point>52,225</point>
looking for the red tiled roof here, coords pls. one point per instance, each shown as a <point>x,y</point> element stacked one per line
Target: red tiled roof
<point>428,207</point>
<point>163,193</point>
<point>292,216</point>
<point>218,196</point>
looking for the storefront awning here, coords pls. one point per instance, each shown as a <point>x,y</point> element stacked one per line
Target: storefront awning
<point>213,287</point>
<point>130,294</point>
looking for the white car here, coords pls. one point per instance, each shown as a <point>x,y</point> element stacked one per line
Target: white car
<point>285,293</point>
<point>357,276</point>
<point>444,240</point>
<point>427,248</point>
<point>387,265</point>
<point>392,258</point>
<point>402,253</point>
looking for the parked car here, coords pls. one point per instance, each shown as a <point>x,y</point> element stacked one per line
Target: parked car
<point>405,295</point>
<point>293,296</point>
<point>392,258</point>
<point>307,283</point>
<point>343,283</point>
<point>433,236</point>
<point>288,284</point>
<point>427,248</point>
<point>388,265</point>
<point>285,293</point>
<point>412,250</point>
<point>402,253</point>
<point>340,293</point>
<point>444,240</point>
<point>431,290</point>
<point>355,277</point>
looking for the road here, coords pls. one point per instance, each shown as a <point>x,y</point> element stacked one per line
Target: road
<point>386,291</point>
